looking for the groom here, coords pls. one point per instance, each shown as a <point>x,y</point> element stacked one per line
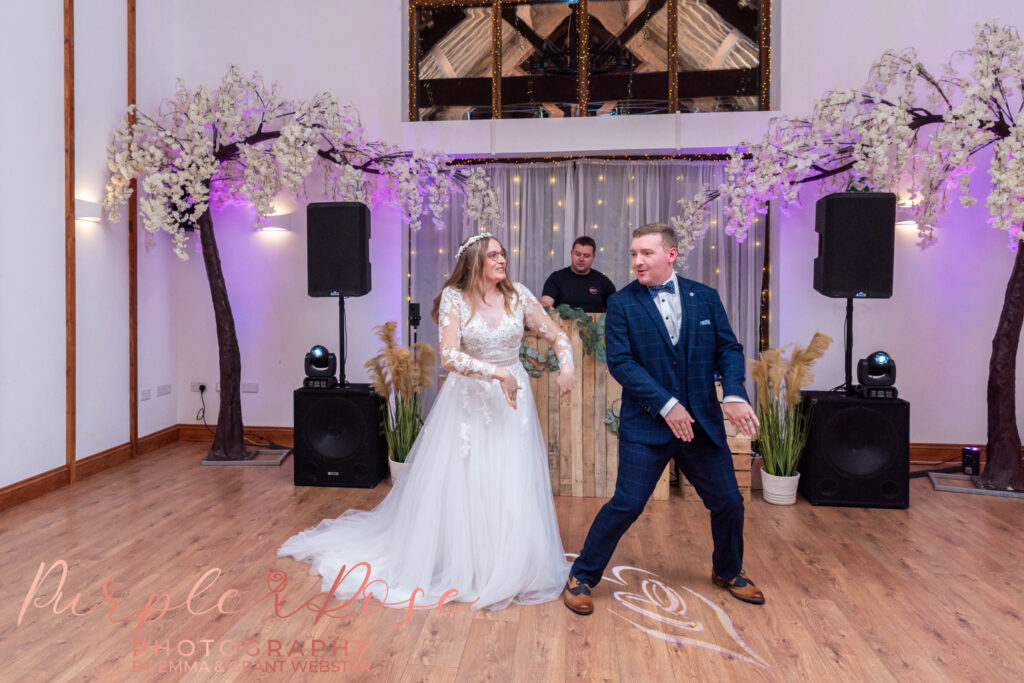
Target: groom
<point>665,337</point>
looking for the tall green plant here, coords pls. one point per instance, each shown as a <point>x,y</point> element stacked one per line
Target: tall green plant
<point>397,374</point>
<point>402,424</point>
<point>782,436</point>
<point>784,424</point>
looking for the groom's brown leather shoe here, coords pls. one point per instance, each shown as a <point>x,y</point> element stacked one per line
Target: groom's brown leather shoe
<point>741,588</point>
<point>576,596</point>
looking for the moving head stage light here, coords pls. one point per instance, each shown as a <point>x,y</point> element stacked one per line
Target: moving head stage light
<point>321,366</point>
<point>877,375</point>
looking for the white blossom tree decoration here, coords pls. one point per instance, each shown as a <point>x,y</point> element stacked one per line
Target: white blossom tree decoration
<point>878,137</point>
<point>244,143</point>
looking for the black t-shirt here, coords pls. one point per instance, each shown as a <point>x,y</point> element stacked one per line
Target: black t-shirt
<point>589,292</point>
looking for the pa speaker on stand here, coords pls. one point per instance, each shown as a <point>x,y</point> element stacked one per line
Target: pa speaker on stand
<point>856,236</point>
<point>339,433</point>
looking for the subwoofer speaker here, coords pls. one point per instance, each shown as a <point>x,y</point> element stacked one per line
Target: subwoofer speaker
<point>856,232</point>
<point>338,249</point>
<point>339,438</point>
<point>858,451</point>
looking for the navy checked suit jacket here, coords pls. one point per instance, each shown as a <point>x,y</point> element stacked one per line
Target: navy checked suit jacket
<point>642,359</point>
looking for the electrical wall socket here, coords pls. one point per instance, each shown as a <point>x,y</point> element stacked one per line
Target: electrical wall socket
<point>146,394</point>
<point>163,390</point>
<point>250,388</point>
<point>195,386</point>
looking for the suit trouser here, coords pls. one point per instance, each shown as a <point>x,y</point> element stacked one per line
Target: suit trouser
<point>705,464</point>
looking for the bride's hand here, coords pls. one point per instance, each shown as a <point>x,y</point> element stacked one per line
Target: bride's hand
<point>566,381</point>
<point>509,386</point>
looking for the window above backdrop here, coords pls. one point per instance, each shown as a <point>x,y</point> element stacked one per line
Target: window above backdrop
<point>481,59</point>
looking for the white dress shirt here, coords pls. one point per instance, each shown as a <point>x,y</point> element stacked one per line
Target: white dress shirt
<point>671,308</point>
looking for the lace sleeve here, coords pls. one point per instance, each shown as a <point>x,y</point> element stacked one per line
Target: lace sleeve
<point>449,324</point>
<point>538,321</point>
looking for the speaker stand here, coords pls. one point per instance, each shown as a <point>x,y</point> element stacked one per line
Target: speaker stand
<point>849,346</point>
<point>341,347</point>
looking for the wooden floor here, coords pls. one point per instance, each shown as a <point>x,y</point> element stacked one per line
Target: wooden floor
<point>932,593</point>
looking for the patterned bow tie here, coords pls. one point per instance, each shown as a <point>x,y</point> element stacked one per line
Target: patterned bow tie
<point>669,287</point>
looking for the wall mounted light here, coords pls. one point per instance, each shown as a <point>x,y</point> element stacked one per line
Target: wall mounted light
<point>905,217</point>
<point>905,211</point>
<point>277,222</point>
<point>87,211</point>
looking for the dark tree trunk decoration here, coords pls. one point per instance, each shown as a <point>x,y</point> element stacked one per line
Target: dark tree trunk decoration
<point>228,442</point>
<point>1005,469</point>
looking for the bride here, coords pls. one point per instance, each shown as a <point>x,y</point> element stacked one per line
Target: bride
<point>473,510</point>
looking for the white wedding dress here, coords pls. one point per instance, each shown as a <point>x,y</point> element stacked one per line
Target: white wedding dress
<point>473,509</point>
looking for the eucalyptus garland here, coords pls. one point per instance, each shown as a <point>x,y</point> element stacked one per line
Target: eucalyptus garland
<point>591,335</point>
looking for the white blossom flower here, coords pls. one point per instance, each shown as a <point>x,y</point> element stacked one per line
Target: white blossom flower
<point>243,143</point>
<point>875,138</point>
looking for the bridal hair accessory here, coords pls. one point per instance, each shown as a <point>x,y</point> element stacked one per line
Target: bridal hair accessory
<point>467,243</point>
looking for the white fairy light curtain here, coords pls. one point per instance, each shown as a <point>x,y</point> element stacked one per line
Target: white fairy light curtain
<point>545,206</point>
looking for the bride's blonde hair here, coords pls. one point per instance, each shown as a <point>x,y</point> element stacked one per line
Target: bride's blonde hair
<point>468,276</point>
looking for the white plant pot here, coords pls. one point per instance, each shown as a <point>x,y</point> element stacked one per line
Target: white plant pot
<point>396,470</point>
<point>779,490</point>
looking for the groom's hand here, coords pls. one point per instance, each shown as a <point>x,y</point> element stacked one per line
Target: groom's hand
<point>680,422</point>
<point>742,416</point>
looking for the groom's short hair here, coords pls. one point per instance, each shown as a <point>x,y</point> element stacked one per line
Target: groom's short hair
<point>668,235</point>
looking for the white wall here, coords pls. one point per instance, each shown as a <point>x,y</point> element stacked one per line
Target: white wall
<point>157,265</point>
<point>101,260</point>
<point>341,47</point>
<point>157,331</point>
<point>355,50</point>
<point>32,333</point>
<point>276,322</point>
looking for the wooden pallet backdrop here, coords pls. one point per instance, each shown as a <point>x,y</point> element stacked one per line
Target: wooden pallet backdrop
<point>583,454</point>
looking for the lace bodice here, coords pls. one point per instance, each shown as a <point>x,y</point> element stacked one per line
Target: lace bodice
<point>469,346</point>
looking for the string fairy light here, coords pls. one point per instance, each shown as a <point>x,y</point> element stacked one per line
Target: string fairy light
<point>531,161</point>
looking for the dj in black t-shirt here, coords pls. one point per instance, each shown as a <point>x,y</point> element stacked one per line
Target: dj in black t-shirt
<point>579,285</point>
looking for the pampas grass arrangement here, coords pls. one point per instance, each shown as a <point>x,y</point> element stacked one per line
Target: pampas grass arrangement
<point>784,424</point>
<point>398,373</point>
